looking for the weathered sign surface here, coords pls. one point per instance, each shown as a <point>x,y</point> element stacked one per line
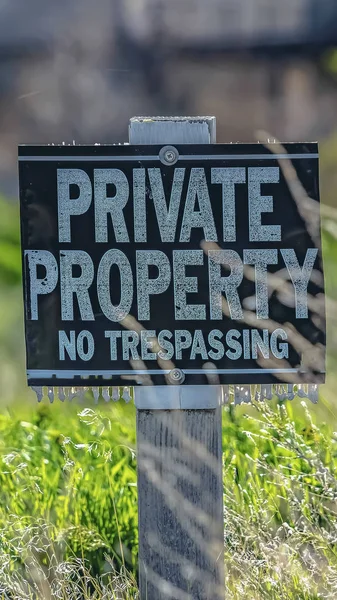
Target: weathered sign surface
<point>160,266</point>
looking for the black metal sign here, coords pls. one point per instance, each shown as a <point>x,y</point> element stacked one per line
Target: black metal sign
<point>187,264</point>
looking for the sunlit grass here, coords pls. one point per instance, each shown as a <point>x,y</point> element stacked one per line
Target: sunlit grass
<point>68,510</point>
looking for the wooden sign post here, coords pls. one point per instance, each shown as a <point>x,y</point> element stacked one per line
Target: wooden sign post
<point>179,450</point>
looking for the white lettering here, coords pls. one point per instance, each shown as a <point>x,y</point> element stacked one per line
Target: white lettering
<point>300,277</point>
<point>229,284</point>
<point>113,336</point>
<point>147,286</point>
<point>67,206</point>
<point>113,205</point>
<point>109,259</point>
<point>44,285</point>
<point>203,218</point>
<point>186,285</point>
<point>78,286</point>
<point>228,178</point>
<point>261,259</point>
<point>261,204</point>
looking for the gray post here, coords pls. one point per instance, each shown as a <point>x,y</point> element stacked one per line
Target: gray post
<point>179,449</point>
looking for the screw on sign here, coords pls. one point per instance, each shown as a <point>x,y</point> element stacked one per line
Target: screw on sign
<point>177,376</point>
<point>168,155</point>
<point>191,271</point>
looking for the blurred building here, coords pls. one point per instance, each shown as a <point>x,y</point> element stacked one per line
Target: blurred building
<point>231,25</point>
<point>78,69</point>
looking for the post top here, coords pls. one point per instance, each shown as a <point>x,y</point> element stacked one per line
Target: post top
<point>172,130</point>
<point>173,118</point>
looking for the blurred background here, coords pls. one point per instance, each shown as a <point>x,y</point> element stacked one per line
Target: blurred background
<point>76,71</point>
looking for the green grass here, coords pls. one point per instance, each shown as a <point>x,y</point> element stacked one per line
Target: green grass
<point>68,509</point>
<point>280,504</point>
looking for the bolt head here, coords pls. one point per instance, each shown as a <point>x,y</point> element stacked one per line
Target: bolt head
<point>169,155</point>
<point>177,376</point>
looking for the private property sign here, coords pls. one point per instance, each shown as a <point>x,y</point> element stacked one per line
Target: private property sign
<point>141,262</point>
